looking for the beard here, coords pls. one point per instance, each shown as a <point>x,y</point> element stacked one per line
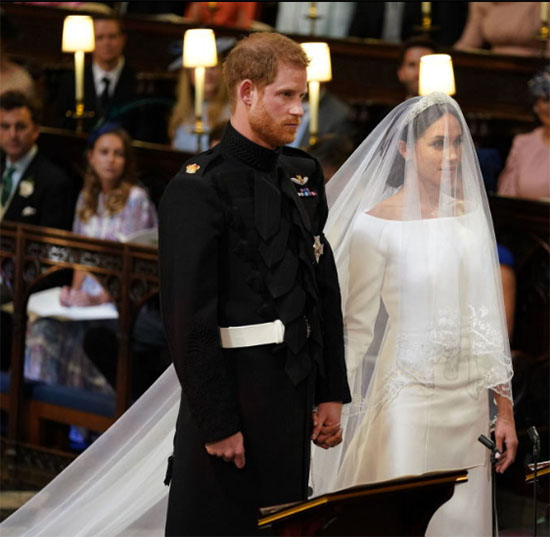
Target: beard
<point>267,128</point>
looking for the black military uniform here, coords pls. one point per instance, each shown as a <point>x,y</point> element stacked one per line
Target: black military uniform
<point>241,244</point>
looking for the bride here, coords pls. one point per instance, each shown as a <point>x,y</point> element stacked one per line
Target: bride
<point>425,340</point>
<point>424,322</point>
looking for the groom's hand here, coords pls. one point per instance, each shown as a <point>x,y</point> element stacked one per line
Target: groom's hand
<point>327,431</point>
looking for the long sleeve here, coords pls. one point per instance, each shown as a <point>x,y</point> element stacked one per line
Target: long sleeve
<point>367,267</point>
<point>191,225</point>
<point>139,213</point>
<point>472,36</point>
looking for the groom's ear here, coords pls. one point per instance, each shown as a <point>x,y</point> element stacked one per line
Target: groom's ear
<point>403,148</point>
<point>246,91</point>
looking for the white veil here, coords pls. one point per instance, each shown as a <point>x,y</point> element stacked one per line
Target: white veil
<point>410,226</point>
<point>115,488</point>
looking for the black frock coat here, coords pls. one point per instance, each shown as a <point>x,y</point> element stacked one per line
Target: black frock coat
<point>237,235</point>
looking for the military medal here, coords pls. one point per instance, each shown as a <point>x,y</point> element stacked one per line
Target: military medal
<point>317,248</point>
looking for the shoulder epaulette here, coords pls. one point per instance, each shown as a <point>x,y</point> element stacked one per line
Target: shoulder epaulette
<point>197,165</point>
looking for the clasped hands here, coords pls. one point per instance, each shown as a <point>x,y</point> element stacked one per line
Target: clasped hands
<point>79,298</point>
<point>327,433</point>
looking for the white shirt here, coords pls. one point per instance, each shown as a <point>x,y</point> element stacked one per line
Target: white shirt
<point>113,76</point>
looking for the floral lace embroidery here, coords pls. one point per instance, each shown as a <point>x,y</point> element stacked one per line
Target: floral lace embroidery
<point>473,339</point>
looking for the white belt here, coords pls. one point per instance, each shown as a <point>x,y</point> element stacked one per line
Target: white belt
<point>252,334</point>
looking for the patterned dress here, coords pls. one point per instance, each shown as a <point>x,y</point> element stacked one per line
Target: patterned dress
<point>53,351</point>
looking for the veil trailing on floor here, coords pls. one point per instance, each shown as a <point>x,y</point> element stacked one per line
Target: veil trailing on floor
<point>115,488</point>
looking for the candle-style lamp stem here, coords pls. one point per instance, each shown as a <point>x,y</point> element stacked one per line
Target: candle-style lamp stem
<point>199,97</point>
<point>312,16</point>
<point>543,34</point>
<point>318,70</point>
<point>79,89</point>
<point>313,90</point>
<point>426,16</point>
<point>199,52</point>
<point>78,37</point>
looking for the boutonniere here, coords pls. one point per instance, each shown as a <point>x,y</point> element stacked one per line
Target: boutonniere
<point>26,187</point>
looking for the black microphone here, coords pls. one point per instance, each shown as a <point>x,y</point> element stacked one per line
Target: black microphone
<point>535,438</point>
<point>489,444</point>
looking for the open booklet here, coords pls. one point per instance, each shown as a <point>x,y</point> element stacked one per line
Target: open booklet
<point>46,304</point>
<point>147,237</point>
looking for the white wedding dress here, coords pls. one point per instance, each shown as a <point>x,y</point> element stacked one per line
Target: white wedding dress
<point>425,406</point>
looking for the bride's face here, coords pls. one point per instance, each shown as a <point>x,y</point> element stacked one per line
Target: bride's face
<point>438,151</point>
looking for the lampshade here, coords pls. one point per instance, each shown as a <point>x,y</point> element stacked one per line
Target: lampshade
<point>436,74</point>
<point>78,34</point>
<point>319,68</point>
<point>199,48</point>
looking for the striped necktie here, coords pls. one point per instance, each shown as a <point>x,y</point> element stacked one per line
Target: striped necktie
<point>7,184</point>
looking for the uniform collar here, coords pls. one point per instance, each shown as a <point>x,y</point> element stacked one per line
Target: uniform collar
<point>236,145</point>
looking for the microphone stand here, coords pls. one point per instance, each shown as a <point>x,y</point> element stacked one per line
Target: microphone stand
<point>489,444</point>
<point>535,438</point>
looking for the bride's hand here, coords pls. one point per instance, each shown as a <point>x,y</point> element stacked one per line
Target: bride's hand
<point>506,439</point>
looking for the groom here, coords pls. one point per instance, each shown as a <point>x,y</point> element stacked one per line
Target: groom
<point>251,305</point>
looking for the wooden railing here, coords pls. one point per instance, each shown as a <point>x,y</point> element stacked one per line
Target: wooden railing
<point>30,255</point>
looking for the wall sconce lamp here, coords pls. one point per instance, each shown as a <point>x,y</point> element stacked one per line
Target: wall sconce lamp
<point>319,70</point>
<point>78,37</point>
<point>436,74</point>
<point>199,52</point>
<point>544,32</point>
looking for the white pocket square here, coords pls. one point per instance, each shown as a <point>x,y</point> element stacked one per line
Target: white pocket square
<point>28,211</point>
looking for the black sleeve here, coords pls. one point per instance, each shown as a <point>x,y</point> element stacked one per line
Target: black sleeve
<point>190,228</point>
<point>333,386</point>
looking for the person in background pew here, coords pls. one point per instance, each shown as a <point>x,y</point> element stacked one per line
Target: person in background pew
<point>409,62</point>
<point>12,75</point>
<point>334,117</point>
<point>232,14</point>
<point>333,18</point>
<point>332,150</point>
<point>216,102</point>
<point>110,206</point>
<point>109,82</point>
<point>398,21</point>
<point>527,170</point>
<point>33,190</point>
<point>503,27</point>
